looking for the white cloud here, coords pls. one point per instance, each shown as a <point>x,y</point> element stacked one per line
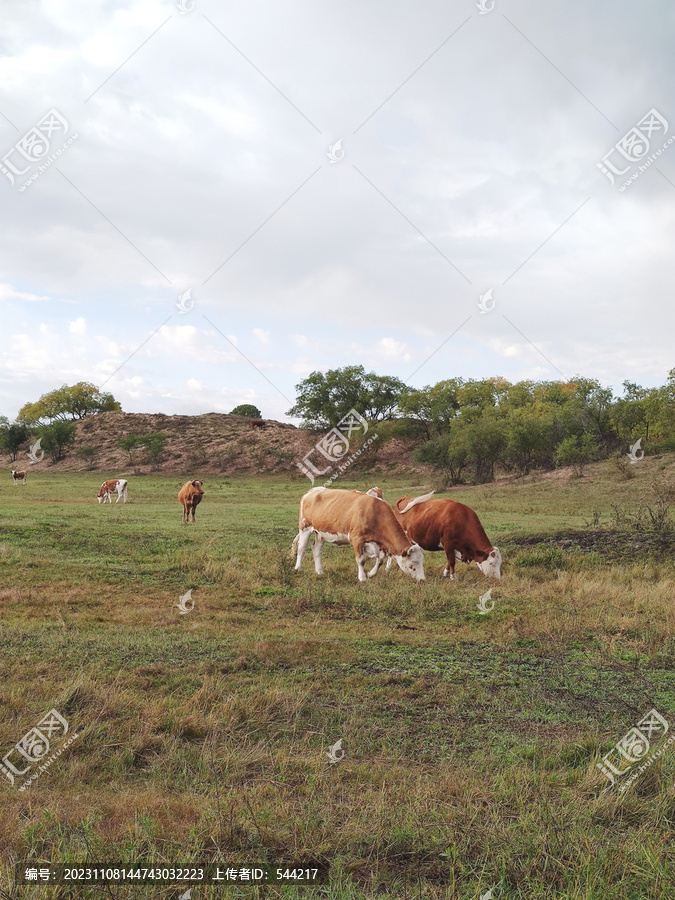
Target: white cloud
<point>261,335</point>
<point>79,326</point>
<point>7,292</point>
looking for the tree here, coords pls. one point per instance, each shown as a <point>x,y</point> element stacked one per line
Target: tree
<point>450,457</point>
<point>129,443</point>
<point>530,438</point>
<point>435,407</point>
<point>154,445</point>
<point>87,454</point>
<point>67,403</point>
<point>247,409</point>
<point>485,441</point>
<point>12,437</point>
<point>56,437</point>
<point>476,398</point>
<point>325,398</point>
<point>577,451</point>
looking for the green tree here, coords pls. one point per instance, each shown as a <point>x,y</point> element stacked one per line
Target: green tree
<point>247,409</point>
<point>449,457</point>
<point>477,398</point>
<point>577,451</point>
<point>67,403</point>
<point>12,437</point>
<point>529,432</point>
<point>325,398</point>
<point>87,454</point>
<point>434,407</point>
<point>129,443</point>
<point>56,437</point>
<point>154,445</point>
<point>485,440</point>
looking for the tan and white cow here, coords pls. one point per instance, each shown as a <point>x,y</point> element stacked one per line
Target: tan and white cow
<point>362,520</point>
<point>18,476</point>
<point>116,486</point>
<point>190,496</point>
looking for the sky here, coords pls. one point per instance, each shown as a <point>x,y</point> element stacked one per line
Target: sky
<point>329,184</point>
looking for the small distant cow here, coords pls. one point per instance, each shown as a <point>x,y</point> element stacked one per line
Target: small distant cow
<point>116,486</point>
<point>190,496</point>
<point>258,423</point>
<point>18,476</point>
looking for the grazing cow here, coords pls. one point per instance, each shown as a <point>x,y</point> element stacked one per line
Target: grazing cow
<point>258,423</point>
<point>18,476</point>
<point>450,526</point>
<point>116,486</point>
<point>362,520</point>
<point>190,495</point>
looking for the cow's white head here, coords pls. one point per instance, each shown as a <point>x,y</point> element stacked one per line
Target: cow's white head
<point>492,566</point>
<point>411,562</point>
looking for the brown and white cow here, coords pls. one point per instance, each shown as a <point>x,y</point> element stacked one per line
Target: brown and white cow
<point>450,526</point>
<point>116,486</point>
<point>190,496</point>
<point>362,520</point>
<point>18,476</point>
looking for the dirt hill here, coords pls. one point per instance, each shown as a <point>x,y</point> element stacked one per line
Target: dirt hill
<point>209,444</point>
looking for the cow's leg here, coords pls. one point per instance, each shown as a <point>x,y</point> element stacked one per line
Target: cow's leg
<point>449,570</point>
<point>119,495</point>
<point>360,557</point>
<point>193,506</point>
<point>316,553</point>
<point>374,549</point>
<point>303,540</point>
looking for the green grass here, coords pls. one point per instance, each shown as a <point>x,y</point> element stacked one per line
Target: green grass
<point>470,740</point>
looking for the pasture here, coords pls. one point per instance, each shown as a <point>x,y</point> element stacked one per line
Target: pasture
<point>470,740</point>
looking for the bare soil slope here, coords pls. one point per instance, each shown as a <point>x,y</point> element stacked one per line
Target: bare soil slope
<point>209,444</point>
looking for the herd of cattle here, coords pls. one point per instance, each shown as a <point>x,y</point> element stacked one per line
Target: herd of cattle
<point>375,529</point>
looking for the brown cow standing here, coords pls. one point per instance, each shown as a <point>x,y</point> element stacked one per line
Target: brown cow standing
<point>18,476</point>
<point>190,495</point>
<point>258,423</point>
<point>450,526</point>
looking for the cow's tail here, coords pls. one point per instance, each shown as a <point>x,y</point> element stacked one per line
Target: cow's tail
<point>294,545</point>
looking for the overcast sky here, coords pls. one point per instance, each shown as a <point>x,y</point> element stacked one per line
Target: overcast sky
<point>194,155</point>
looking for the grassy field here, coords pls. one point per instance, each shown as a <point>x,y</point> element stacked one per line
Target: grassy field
<point>470,741</point>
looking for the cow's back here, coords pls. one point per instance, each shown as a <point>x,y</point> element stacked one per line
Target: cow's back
<point>341,512</point>
<point>436,521</point>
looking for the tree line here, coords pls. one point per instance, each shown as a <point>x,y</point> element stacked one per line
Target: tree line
<point>469,428</point>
